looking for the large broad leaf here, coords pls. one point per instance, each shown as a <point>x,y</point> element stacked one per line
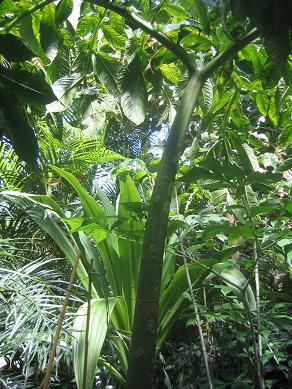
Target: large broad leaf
<point>63,10</point>
<point>29,29</point>
<point>236,277</point>
<point>107,70</point>
<point>86,25</point>
<point>48,32</point>
<point>90,206</point>
<point>17,128</point>
<point>114,31</point>
<point>171,72</point>
<point>201,11</point>
<point>129,249</point>
<point>65,89</point>
<point>100,313</point>
<point>107,247</point>
<point>134,94</point>
<point>14,49</point>
<point>32,88</point>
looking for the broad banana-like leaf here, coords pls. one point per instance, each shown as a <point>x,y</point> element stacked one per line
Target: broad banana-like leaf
<point>106,247</point>
<point>100,312</point>
<point>129,249</point>
<point>120,321</point>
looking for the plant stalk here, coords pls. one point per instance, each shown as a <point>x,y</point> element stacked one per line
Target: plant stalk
<point>60,322</point>
<point>132,19</point>
<point>194,302</point>
<point>87,328</point>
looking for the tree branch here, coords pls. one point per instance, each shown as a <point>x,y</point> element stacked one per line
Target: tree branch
<point>31,10</point>
<point>229,53</point>
<point>132,19</point>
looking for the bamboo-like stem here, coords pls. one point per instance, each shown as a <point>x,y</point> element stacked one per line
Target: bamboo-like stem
<point>60,322</point>
<point>194,302</point>
<point>210,269</point>
<point>87,328</point>
<point>31,10</point>
<point>147,27</point>
<point>258,301</point>
<point>256,340</point>
<point>259,378</point>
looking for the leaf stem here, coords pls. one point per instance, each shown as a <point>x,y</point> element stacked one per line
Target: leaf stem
<point>132,19</point>
<point>87,328</point>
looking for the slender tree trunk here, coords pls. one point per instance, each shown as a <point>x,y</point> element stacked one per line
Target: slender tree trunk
<point>142,353</point>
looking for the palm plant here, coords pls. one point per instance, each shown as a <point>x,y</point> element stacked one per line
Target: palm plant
<point>117,236</point>
<point>30,301</point>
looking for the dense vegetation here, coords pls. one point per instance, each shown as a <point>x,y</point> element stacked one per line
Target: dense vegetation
<point>147,146</point>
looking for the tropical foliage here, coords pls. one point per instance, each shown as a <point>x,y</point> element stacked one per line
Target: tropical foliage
<point>154,138</point>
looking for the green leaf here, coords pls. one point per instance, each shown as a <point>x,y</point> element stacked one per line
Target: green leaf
<point>100,313</point>
<point>263,103</point>
<point>281,92</point>
<point>29,29</point>
<point>197,173</point>
<point>107,247</point>
<point>208,93</point>
<point>251,157</point>
<point>18,130</point>
<point>176,11</point>
<point>171,72</point>
<point>201,11</point>
<point>90,206</point>
<point>267,178</point>
<point>172,299</point>
<point>235,231</point>
<point>114,31</point>
<point>246,156</point>
<point>65,89</point>
<point>63,10</point>
<point>236,277</point>
<point>107,70</point>
<point>134,93</point>
<point>32,88</point>
<point>48,32</point>
<point>86,25</point>
<point>14,49</point>
<point>113,37</point>
<point>285,137</point>
<point>88,226</point>
<point>129,249</point>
